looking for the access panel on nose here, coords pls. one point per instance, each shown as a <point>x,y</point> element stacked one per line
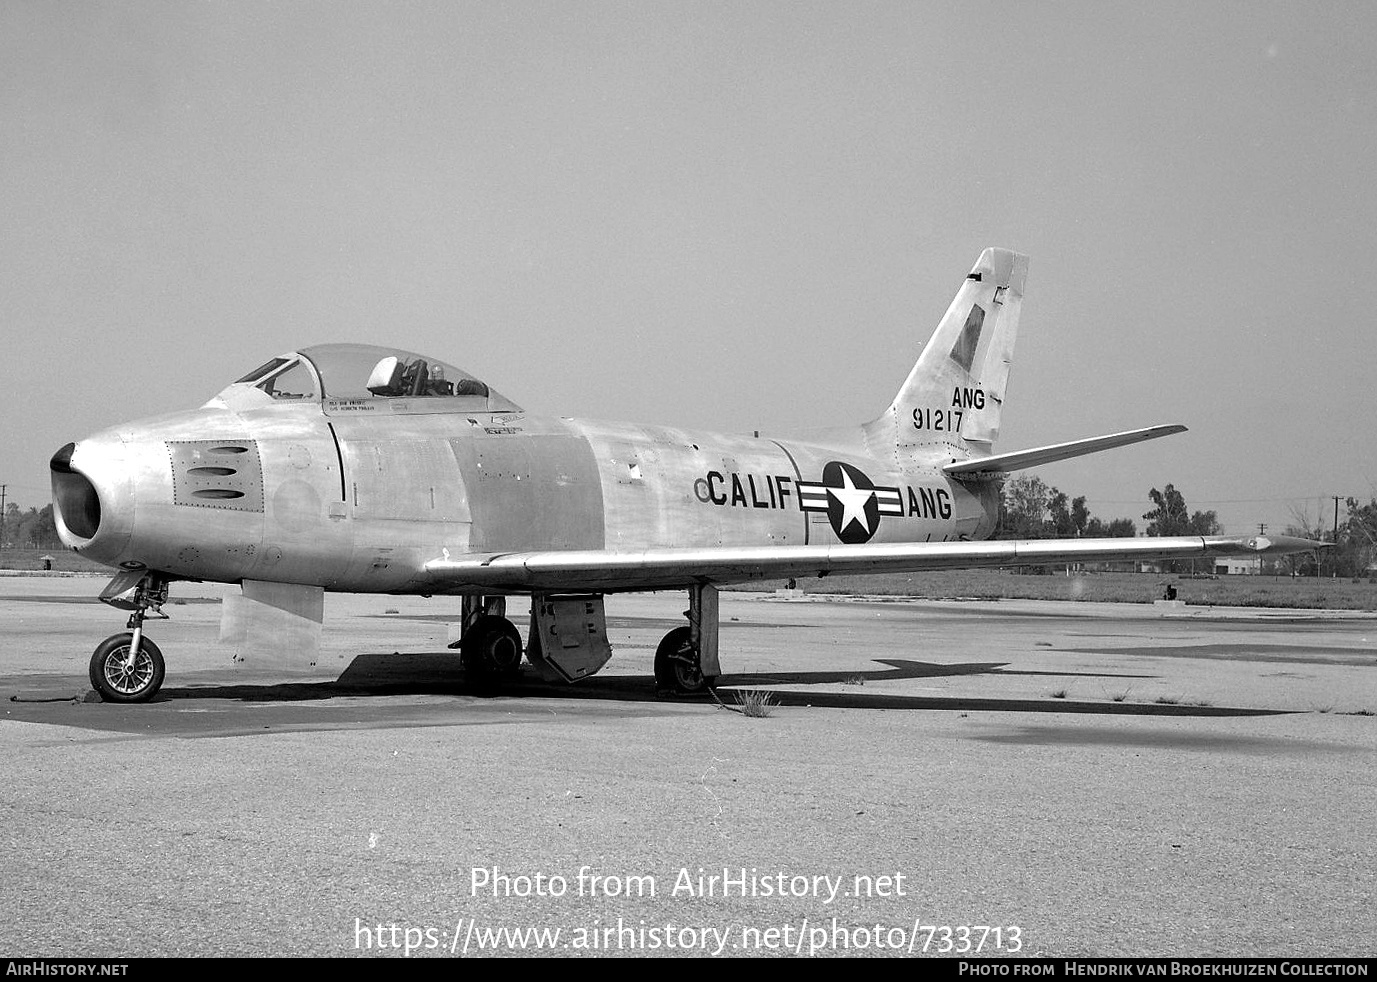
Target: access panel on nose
<point>406,479</point>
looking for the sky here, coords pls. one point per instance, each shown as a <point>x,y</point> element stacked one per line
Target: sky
<point>725,216</point>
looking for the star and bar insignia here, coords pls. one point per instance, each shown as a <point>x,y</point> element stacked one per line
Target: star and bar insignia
<point>852,502</point>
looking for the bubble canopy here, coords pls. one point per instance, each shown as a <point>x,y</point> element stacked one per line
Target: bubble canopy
<point>336,373</point>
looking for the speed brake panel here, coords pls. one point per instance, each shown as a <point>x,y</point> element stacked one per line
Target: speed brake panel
<point>568,636</point>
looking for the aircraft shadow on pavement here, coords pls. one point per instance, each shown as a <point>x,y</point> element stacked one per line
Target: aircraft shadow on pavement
<point>393,674</point>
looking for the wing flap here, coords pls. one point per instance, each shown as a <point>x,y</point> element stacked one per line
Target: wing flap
<point>654,569</point>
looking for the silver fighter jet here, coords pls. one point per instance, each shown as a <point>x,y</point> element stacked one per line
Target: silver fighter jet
<point>363,469</point>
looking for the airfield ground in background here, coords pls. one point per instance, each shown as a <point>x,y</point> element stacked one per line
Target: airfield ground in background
<point>1110,780</point>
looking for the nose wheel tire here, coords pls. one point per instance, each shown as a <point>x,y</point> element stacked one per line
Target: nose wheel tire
<point>119,680</point>
<point>491,649</point>
<point>677,667</point>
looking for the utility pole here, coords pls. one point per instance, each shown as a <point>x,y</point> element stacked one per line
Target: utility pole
<point>2,514</point>
<point>1261,530</point>
<point>1335,571</point>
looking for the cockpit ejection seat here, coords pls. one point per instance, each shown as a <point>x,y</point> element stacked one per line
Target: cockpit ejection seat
<point>386,379</point>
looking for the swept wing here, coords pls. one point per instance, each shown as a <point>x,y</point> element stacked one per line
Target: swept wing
<point>601,570</point>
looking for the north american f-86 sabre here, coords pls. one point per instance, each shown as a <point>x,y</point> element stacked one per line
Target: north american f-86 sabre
<point>362,469</point>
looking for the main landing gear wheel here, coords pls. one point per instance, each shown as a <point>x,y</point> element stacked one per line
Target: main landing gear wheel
<point>118,679</point>
<point>491,649</point>
<point>676,664</point>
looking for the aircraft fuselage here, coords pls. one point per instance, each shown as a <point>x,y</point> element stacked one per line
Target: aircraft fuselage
<point>358,500</point>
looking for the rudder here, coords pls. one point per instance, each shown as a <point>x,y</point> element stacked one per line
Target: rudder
<point>955,392</point>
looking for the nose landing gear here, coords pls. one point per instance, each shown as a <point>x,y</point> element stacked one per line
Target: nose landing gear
<point>129,667</point>
<point>124,669</point>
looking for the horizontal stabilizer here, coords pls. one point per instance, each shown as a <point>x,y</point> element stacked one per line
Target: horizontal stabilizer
<point>1005,462</point>
<point>605,572</point>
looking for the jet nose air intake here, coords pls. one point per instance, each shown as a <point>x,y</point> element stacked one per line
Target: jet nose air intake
<point>93,503</point>
<point>76,505</point>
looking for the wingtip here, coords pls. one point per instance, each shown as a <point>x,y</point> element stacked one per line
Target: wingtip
<point>1270,544</point>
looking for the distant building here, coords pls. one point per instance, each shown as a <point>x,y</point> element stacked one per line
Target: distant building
<point>1235,567</point>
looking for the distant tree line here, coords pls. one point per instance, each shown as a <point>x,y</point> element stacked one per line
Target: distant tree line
<point>1034,510</point>
<point>32,529</point>
<point>1355,550</point>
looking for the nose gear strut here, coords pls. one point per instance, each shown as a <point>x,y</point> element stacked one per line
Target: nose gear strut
<point>129,667</point>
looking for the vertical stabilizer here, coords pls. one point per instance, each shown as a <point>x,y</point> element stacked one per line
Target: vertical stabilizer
<point>952,399</point>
